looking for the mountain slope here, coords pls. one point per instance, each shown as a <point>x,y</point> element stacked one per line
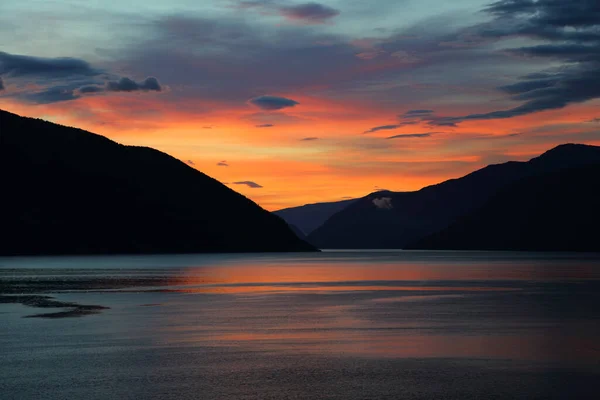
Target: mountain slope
<point>311,216</point>
<point>67,191</point>
<point>553,212</point>
<point>394,219</point>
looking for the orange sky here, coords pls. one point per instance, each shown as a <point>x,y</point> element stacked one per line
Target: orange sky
<point>342,162</point>
<point>457,84</point>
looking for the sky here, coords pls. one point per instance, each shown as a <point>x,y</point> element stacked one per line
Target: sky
<point>293,102</point>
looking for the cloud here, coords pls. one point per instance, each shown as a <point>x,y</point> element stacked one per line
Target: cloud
<point>50,95</point>
<point>572,32</point>
<point>1,84</point>
<point>190,162</point>
<point>191,52</point>
<point>272,102</point>
<point>445,121</point>
<point>308,139</point>
<point>129,85</point>
<point>223,164</point>
<point>309,13</point>
<point>63,79</point>
<point>416,114</point>
<point>369,55</point>
<point>250,184</point>
<point>265,126</point>
<point>91,89</point>
<point>207,127</point>
<point>384,203</point>
<point>411,135</point>
<point>274,117</point>
<point>382,128</point>
<point>405,57</point>
<point>21,66</point>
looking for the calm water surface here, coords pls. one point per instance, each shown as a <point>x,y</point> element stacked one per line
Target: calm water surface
<point>334,325</point>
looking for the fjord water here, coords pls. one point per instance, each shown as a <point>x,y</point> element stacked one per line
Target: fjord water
<point>332,325</point>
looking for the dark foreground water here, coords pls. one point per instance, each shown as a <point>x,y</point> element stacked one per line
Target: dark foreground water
<point>335,325</point>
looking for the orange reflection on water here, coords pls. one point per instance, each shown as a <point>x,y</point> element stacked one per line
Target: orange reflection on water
<point>409,343</point>
<point>265,272</point>
<point>334,288</point>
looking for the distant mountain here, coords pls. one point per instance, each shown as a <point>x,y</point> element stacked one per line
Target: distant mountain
<point>395,219</point>
<point>311,216</point>
<point>298,232</point>
<point>68,191</point>
<point>553,212</point>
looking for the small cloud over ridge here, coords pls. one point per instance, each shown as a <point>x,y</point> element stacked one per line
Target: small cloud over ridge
<point>385,203</point>
<point>308,139</point>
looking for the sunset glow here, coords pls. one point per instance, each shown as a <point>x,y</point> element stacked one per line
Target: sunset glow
<point>301,104</point>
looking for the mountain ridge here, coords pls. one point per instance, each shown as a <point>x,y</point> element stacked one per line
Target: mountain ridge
<point>556,211</point>
<point>65,182</point>
<point>309,217</point>
<point>412,215</point>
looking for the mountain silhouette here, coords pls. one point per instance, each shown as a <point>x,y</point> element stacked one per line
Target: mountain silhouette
<point>68,191</point>
<point>395,219</point>
<point>553,212</point>
<point>309,217</point>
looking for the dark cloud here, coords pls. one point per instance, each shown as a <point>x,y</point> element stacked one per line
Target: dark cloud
<point>550,13</point>
<point>51,95</point>
<point>64,79</point>
<point>273,102</point>
<point>382,128</point>
<point>275,117</point>
<point>1,84</point>
<point>529,85</point>
<point>250,184</point>
<point>411,135</point>
<point>129,85</point>
<point>191,162</point>
<point>308,139</point>
<point>573,29</point>
<point>265,126</point>
<point>450,122</point>
<point>309,13</point>
<point>223,164</point>
<point>416,113</point>
<point>20,66</point>
<point>91,89</point>
<point>581,84</point>
<point>191,53</point>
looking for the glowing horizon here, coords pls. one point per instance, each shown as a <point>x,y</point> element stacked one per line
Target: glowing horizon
<point>310,104</point>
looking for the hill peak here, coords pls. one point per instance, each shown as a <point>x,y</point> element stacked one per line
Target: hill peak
<point>569,151</point>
